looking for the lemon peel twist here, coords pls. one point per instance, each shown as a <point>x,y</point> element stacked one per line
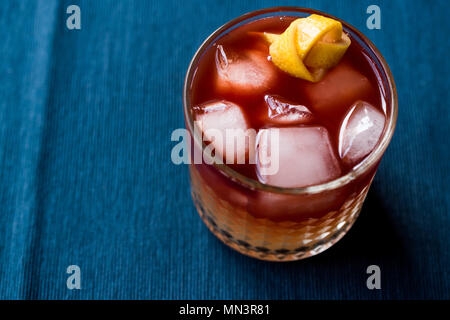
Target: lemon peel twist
<point>308,47</point>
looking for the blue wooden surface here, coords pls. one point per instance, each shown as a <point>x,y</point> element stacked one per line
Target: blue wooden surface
<point>86,176</point>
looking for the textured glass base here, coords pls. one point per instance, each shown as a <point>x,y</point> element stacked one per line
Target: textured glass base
<point>269,240</point>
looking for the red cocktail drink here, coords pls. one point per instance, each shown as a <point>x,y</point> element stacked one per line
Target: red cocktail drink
<point>310,146</point>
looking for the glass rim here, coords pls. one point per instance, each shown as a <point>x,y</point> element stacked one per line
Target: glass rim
<point>363,167</point>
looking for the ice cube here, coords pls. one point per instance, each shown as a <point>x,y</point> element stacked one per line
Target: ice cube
<point>341,86</point>
<point>295,156</point>
<point>244,73</point>
<point>282,112</point>
<point>360,131</point>
<point>224,125</point>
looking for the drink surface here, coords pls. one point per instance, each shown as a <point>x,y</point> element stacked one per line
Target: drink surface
<point>331,125</point>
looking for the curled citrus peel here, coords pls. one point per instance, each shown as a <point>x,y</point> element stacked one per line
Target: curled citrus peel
<point>308,47</point>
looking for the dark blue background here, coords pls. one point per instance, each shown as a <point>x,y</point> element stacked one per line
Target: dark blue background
<point>86,176</point>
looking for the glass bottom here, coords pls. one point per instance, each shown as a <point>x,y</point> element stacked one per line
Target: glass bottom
<point>265,239</point>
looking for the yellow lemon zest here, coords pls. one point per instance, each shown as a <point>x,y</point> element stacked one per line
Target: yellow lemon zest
<point>308,47</point>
